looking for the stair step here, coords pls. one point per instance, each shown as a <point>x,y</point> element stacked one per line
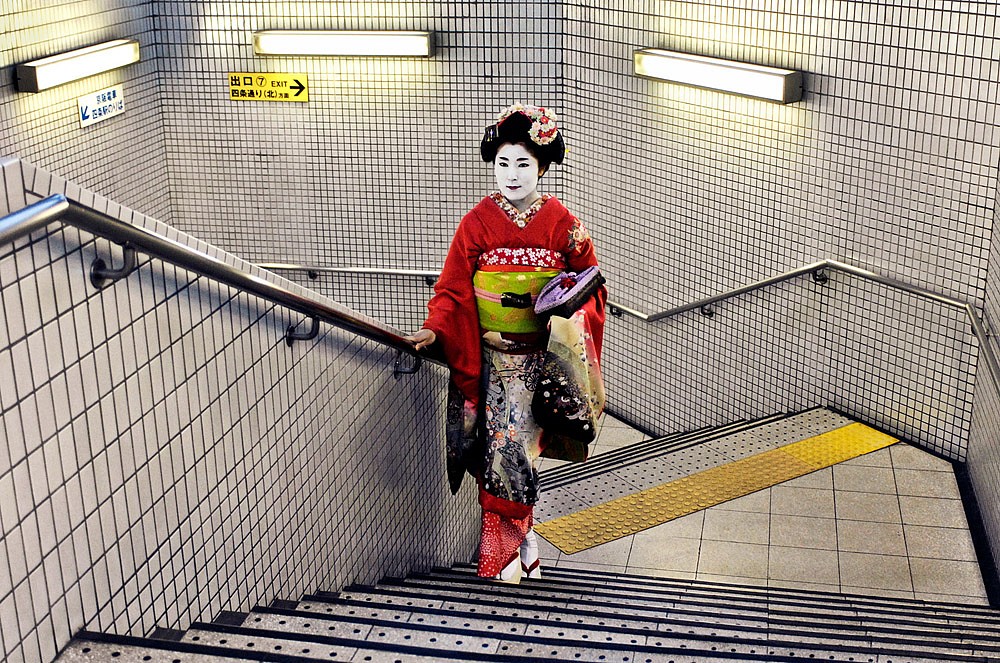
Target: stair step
<point>732,603</point>
<point>801,629</point>
<point>655,444</point>
<point>641,451</point>
<point>507,619</point>
<point>951,613</point>
<point>272,642</point>
<point>482,639</point>
<point>91,647</point>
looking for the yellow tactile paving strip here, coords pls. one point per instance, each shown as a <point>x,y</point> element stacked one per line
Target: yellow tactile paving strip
<point>655,506</point>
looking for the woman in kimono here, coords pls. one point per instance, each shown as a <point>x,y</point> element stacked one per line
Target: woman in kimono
<point>481,319</point>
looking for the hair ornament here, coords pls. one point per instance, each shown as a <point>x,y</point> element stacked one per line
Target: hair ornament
<point>543,122</point>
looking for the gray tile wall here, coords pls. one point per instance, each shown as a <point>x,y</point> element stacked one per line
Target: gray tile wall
<point>984,442</point>
<point>123,157</point>
<point>384,159</point>
<point>890,162</point>
<point>164,455</point>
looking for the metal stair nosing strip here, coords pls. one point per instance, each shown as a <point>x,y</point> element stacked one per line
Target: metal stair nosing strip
<point>860,602</point>
<point>361,644</point>
<point>818,634</point>
<point>639,452</point>
<point>687,642</point>
<point>793,623</point>
<point>921,615</point>
<point>887,625</point>
<point>682,612</point>
<point>139,643</point>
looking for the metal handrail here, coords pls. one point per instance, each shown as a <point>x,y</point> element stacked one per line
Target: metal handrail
<point>132,238</point>
<point>704,305</point>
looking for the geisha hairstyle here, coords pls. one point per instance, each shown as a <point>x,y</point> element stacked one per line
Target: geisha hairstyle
<point>531,126</point>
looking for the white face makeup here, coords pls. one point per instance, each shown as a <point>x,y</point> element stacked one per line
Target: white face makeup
<point>516,171</point>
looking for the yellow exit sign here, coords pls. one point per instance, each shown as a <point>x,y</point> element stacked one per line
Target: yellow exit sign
<point>268,87</point>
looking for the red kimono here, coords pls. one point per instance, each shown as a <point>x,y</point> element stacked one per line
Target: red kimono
<point>491,432</point>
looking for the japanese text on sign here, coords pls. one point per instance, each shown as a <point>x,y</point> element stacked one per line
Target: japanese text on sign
<point>100,106</point>
<point>268,87</point>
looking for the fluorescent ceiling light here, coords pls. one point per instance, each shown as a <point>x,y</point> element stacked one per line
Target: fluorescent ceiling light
<point>335,42</point>
<point>58,69</point>
<point>751,80</point>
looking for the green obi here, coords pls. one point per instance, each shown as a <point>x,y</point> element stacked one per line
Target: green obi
<point>506,300</point>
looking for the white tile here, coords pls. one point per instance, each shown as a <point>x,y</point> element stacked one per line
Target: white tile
<point>864,478</point>
<point>736,526</point>
<point>939,542</point>
<point>937,576</point>
<point>871,537</point>
<point>905,456</point>
<point>803,565</point>
<point>664,552</point>
<point>793,501</point>
<point>725,558</point>
<point>872,507</point>
<point>927,483</point>
<point>932,512</point>
<point>875,571</point>
<point>803,532</point>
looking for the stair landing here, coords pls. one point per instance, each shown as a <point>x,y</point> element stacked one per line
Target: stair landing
<point>888,523</point>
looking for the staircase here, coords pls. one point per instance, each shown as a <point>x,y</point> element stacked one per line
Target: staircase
<point>451,615</point>
<point>586,615</point>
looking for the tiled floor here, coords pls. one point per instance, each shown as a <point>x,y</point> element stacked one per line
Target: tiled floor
<point>889,523</point>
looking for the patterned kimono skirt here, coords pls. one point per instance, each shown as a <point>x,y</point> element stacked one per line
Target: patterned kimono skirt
<point>513,441</point>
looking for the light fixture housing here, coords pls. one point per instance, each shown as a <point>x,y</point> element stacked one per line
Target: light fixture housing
<point>55,70</point>
<point>750,80</point>
<point>342,42</point>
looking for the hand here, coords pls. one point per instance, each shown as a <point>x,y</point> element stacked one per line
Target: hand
<point>496,341</point>
<point>422,339</point>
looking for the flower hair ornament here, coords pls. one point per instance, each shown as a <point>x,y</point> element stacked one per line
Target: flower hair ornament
<point>543,122</point>
<point>533,125</point>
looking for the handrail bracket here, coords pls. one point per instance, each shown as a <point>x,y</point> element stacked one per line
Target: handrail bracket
<point>399,368</point>
<point>101,274</point>
<point>292,334</point>
<point>820,276</point>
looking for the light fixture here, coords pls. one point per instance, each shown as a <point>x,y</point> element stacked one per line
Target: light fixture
<point>338,42</point>
<point>751,80</point>
<point>66,67</point>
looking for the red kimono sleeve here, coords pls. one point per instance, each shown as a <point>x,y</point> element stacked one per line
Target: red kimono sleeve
<point>453,316</point>
<point>579,256</point>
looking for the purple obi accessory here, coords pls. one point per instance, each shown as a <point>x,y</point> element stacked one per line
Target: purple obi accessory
<point>567,292</point>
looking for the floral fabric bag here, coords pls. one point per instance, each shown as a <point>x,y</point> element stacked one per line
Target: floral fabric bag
<point>569,396</point>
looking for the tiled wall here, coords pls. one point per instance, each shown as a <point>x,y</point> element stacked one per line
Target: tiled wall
<point>123,157</point>
<point>889,162</point>
<point>384,159</point>
<point>164,455</point>
<point>984,443</point>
